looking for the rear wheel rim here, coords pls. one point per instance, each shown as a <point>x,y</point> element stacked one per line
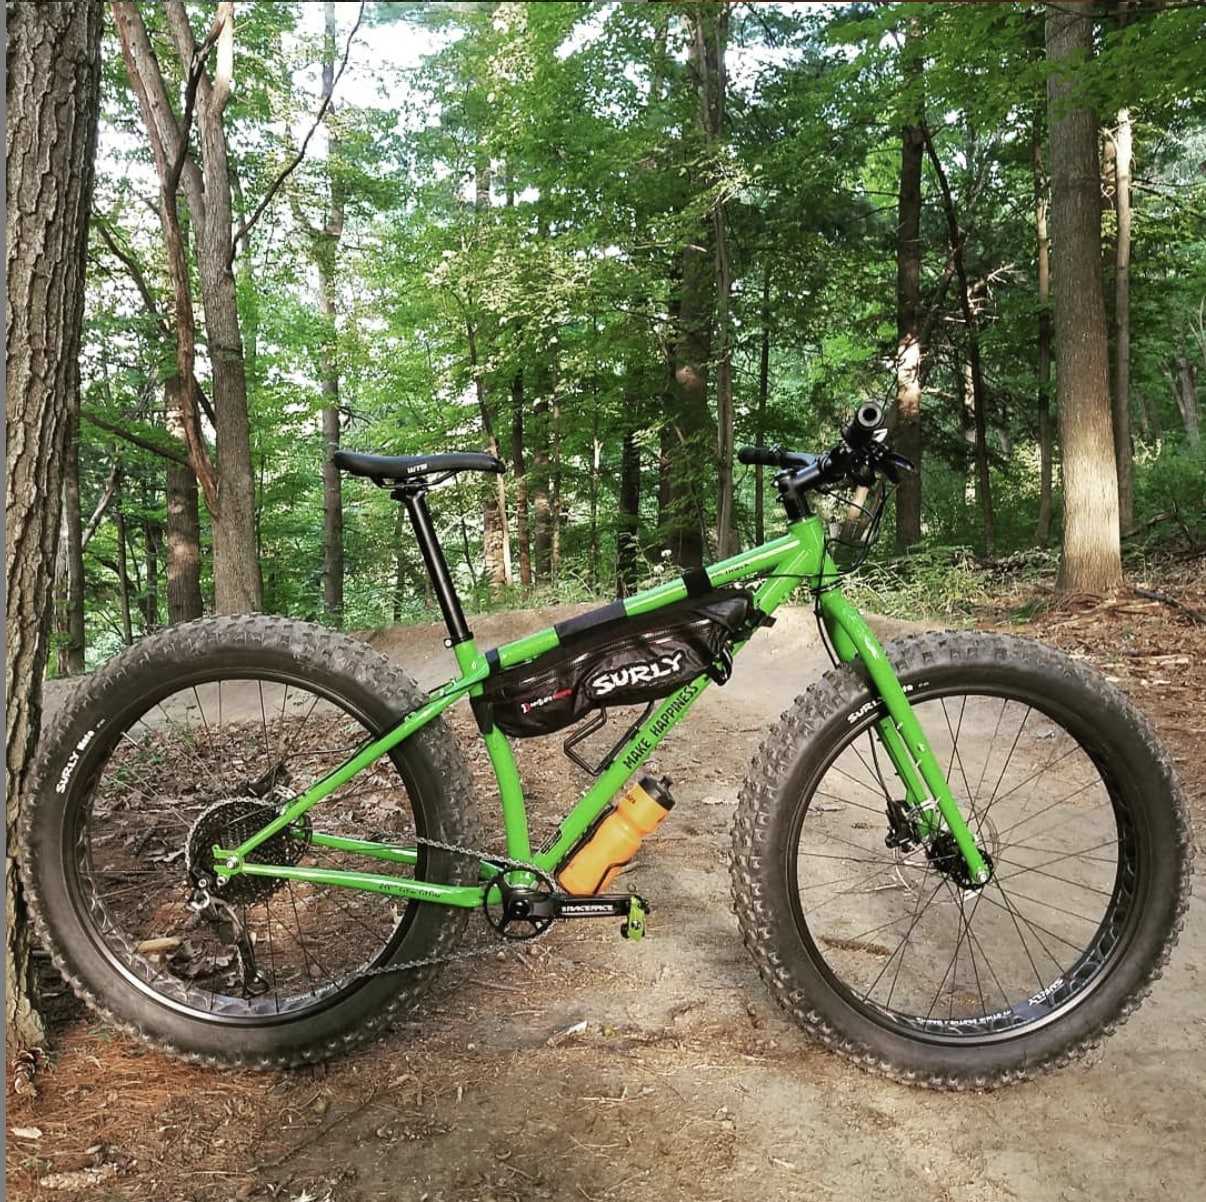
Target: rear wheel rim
<point>919,959</point>
<point>127,823</point>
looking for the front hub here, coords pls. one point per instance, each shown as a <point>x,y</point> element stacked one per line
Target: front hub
<point>944,854</point>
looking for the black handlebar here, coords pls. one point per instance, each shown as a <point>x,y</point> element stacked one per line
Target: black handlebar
<point>774,457</point>
<point>862,453</point>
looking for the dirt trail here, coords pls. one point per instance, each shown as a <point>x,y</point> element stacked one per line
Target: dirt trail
<point>597,1069</point>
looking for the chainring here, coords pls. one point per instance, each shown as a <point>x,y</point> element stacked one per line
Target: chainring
<point>232,822</point>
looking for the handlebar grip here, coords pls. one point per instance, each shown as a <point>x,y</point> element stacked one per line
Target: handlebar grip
<point>867,419</point>
<point>760,456</point>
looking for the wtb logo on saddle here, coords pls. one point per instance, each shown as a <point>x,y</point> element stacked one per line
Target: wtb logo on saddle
<point>645,672</point>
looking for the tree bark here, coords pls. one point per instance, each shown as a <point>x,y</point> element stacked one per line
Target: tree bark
<point>909,351</point>
<point>183,539</point>
<point>715,89</point>
<point>760,413</point>
<point>521,482</point>
<point>327,244</point>
<point>53,57</point>
<point>152,540</point>
<point>1123,455</point>
<point>1042,533</point>
<point>1091,561</point>
<point>691,420</point>
<point>71,556</point>
<point>123,575</point>
<point>1187,399</point>
<point>229,490</point>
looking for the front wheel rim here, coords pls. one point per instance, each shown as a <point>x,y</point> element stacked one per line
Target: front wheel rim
<point>1117,880</point>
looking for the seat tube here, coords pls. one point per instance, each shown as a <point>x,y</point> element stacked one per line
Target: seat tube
<point>415,500</point>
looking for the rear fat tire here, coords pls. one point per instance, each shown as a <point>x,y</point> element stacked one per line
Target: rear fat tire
<point>800,746</point>
<point>440,795</point>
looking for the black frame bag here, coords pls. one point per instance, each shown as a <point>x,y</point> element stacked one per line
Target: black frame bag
<point>607,659</point>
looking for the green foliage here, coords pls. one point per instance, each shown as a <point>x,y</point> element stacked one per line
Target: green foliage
<point>564,270</point>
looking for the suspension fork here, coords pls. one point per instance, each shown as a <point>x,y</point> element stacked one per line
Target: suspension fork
<point>927,792</point>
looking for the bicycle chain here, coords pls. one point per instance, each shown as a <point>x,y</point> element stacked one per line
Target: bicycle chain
<point>504,862</point>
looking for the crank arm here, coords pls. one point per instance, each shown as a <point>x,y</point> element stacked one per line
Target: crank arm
<point>604,905</point>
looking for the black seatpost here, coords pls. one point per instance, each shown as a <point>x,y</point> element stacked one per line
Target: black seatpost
<point>414,497</point>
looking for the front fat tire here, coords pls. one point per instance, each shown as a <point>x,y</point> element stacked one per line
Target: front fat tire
<point>801,744</point>
<point>348,669</point>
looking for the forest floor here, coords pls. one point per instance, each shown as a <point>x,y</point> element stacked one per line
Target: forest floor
<point>596,1069</point>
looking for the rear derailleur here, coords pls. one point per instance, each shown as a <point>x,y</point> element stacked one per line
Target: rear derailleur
<point>526,911</point>
<point>230,930</point>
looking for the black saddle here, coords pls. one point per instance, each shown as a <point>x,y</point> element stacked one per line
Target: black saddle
<point>394,469</point>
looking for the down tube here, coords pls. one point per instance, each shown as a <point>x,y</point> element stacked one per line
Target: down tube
<point>639,749</point>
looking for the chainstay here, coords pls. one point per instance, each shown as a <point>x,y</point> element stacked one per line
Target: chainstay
<point>493,947</point>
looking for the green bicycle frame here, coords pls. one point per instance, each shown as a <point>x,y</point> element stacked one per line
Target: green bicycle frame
<point>785,563</point>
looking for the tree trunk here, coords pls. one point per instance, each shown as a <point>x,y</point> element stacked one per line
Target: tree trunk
<point>53,57</point>
<point>542,540</point>
<point>229,490</point>
<point>1187,399</point>
<point>521,482</point>
<point>184,602</point>
<point>1042,532</point>
<point>691,421</point>
<point>1123,455</point>
<point>760,413</point>
<point>327,245</point>
<point>1091,561</point>
<point>714,120</point>
<point>972,327</point>
<point>123,575</point>
<point>497,548</point>
<point>596,461</point>
<point>71,555</point>
<point>554,487</point>
<point>909,351</point>
<point>495,534</point>
<point>628,527</point>
<point>152,539</point>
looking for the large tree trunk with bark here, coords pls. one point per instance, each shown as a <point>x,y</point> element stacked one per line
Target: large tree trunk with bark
<point>53,57</point>
<point>237,584</point>
<point>1046,438</point>
<point>1091,561</point>
<point>909,351</point>
<point>1123,455</point>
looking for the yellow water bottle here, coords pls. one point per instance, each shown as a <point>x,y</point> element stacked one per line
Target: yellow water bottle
<point>616,838</point>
